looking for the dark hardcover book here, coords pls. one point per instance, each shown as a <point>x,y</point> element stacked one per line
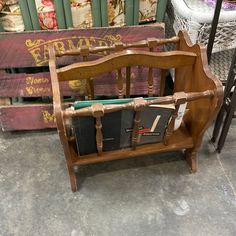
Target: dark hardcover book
<point>111,125</point>
<point>85,132</point>
<point>154,121</point>
<point>117,126</point>
<point>1,27</point>
<point>60,14</point>
<point>33,15</point>
<point>117,129</point>
<point>68,15</point>
<point>26,15</point>
<point>129,12</point>
<point>96,13</point>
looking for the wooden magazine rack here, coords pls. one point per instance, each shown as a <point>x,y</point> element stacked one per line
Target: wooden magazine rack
<point>193,84</point>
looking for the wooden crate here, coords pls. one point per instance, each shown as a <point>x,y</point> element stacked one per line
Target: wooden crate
<point>24,69</point>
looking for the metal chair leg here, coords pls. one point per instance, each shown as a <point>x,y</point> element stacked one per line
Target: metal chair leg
<point>227,122</point>
<point>217,126</point>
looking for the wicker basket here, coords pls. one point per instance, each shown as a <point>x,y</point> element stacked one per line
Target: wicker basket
<point>196,16</point>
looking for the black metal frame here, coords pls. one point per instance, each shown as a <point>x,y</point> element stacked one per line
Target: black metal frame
<point>228,108</point>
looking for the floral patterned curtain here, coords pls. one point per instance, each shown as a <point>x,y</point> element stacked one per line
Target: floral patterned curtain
<point>81,13</point>
<point>46,14</point>
<point>116,12</point>
<point>147,10</point>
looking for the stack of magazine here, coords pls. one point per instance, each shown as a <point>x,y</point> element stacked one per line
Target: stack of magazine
<point>117,126</point>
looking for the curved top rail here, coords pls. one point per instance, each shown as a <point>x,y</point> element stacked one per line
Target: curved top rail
<point>162,60</point>
<point>150,43</point>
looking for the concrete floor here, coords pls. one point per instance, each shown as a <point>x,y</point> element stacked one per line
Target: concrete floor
<point>152,195</point>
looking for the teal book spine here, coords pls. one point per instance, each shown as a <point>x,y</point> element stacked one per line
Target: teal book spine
<point>33,14</point>
<point>83,104</point>
<point>1,27</point>
<point>68,15</point>
<point>25,15</point>
<point>96,13</point>
<point>129,12</point>
<point>136,12</point>
<point>104,12</point>
<point>60,14</point>
<point>161,9</point>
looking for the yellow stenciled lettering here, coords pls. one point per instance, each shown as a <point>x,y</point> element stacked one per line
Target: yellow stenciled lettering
<point>32,81</point>
<point>92,40</point>
<point>83,42</point>
<point>45,53</point>
<point>102,43</point>
<point>47,117</point>
<point>29,80</point>
<point>71,45</point>
<point>29,90</point>
<point>39,48</point>
<point>59,46</point>
<point>87,42</point>
<point>36,55</point>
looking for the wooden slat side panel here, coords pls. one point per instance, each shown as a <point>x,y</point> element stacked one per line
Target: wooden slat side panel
<point>29,49</point>
<point>35,85</point>
<point>27,117</point>
<point>38,84</point>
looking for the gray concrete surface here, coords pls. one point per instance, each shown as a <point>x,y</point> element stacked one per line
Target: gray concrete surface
<point>152,195</point>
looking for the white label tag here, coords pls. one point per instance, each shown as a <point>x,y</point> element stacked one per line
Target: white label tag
<point>180,115</point>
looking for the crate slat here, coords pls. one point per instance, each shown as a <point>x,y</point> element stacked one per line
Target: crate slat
<point>29,49</point>
<point>27,117</point>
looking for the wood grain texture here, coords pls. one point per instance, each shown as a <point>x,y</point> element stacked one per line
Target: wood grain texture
<point>179,140</point>
<point>202,92</point>
<point>38,85</point>
<point>27,117</point>
<point>163,60</point>
<point>30,49</point>
<point>97,112</point>
<point>191,96</point>
<point>204,111</point>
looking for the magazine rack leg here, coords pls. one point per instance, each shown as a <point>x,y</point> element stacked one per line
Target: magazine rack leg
<point>191,158</point>
<point>69,163</point>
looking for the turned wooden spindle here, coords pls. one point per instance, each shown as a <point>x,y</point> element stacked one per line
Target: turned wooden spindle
<point>98,112</point>
<point>152,42</point>
<point>180,98</point>
<point>119,47</point>
<point>84,52</point>
<point>139,104</point>
<point>108,49</point>
<point>162,82</point>
<point>128,76</point>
